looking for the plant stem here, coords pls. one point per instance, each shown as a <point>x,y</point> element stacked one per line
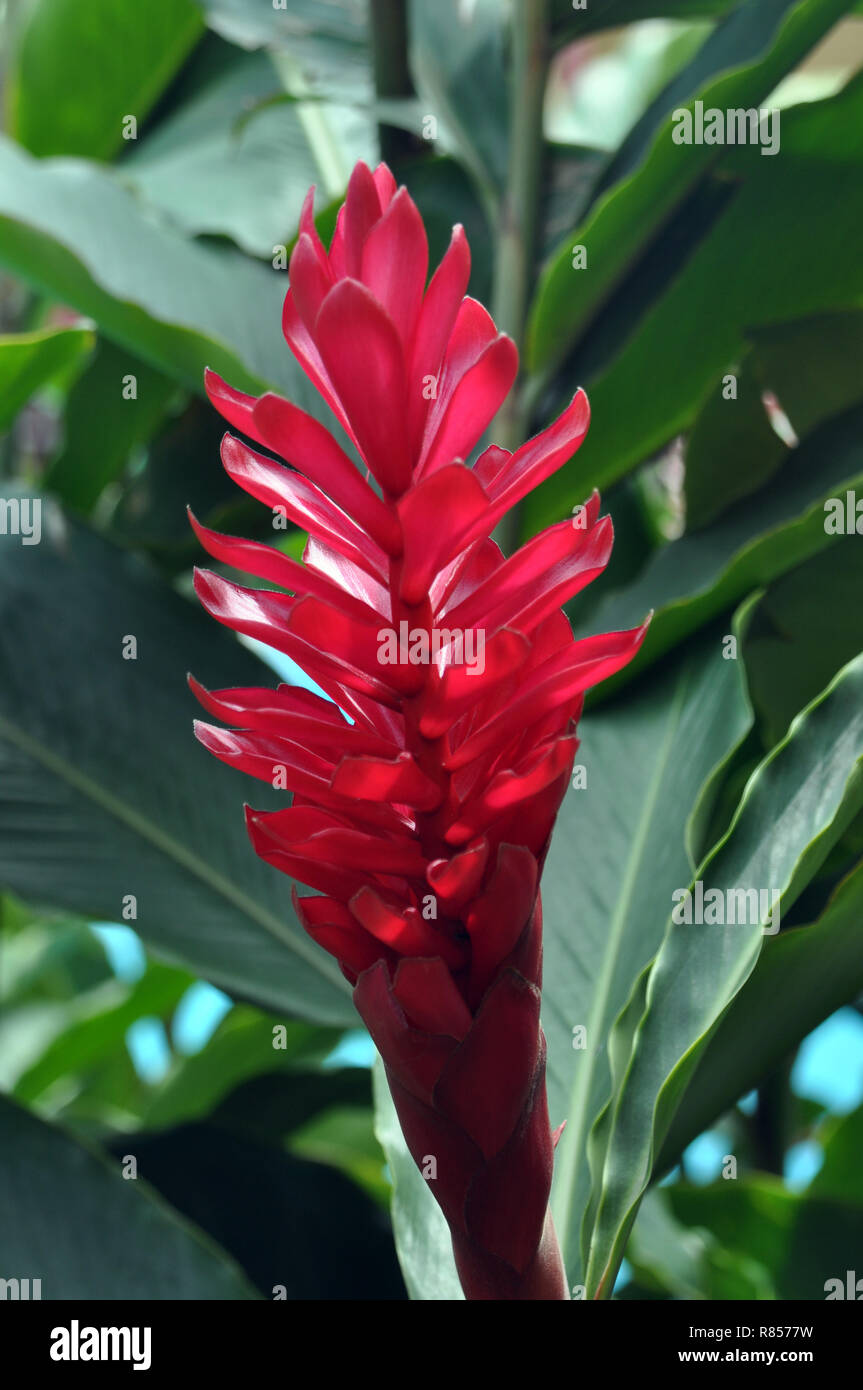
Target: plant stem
<point>485,1278</point>
<point>517,245</point>
<point>392,74</point>
<point>771,1119</point>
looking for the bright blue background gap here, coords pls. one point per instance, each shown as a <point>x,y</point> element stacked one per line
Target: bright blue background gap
<point>284,667</point>
<point>197,1016</point>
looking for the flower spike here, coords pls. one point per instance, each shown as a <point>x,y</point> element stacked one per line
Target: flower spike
<point>427,783</point>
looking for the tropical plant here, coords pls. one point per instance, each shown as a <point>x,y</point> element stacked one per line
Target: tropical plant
<point>633,233</point>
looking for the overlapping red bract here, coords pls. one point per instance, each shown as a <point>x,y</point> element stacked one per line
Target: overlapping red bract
<point>424,795</point>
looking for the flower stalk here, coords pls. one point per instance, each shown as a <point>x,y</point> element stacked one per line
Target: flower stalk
<point>518,238</point>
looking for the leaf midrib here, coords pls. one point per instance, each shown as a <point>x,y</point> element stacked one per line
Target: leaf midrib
<point>168,846</point>
<point>582,1085</point>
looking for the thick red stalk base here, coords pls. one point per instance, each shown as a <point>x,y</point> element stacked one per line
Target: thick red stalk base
<point>475,1119</point>
<point>483,1277</point>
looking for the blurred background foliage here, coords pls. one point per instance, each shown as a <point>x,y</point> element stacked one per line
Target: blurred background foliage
<point>158,998</point>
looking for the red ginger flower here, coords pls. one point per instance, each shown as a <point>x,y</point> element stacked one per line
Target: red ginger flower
<point>423,818</point>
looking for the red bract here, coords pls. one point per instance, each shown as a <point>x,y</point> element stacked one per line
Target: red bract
<point>426,788</point>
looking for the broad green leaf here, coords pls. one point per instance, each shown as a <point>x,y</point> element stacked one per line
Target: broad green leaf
<point>841,1138</point>
<point>84,66</point>
<point>99,1026</point>
<point>220,166</point>
<point>570,23</point>
<point>69,229</point>
<point>457,57</point>
<point>633,212</point>
<point>246,1045</point>
<point>802,1240</point>
<point>70,1219</point>
<point>692,580</point>
<point>344,1137</point>
<point>182,469</point>
<point>689,1264</point>
<point>796,805</point>
<point>79,472</point>
<point>745,269</point>
<point>327,38</point>
<point>740,37</point>
<point>421,1233</point>
<point>811,367</point>
<point>802,976</point>
<point>77,1064</point>
<point>110,1098</point>
<point>569,172</point>
<point>617,854</point>
<point>128,803</point>
<point>603,98</point>
<point>48,957</point>
<point>29,360</point>
<point>444,194</point>
<point>716,790</point>
<point>806,626</point>
<point>275,1105</point>
<point>321,53</point>
<point>299,1230</point>
<point>323,1113</point>
<point>663,1254</point>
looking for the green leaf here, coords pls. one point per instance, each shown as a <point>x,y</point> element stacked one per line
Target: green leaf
<point>617,853</point>
<point>457,58</point>
<point>96,1030</point>
<point>421,1234</point>
<point>665,1255</point>
<point>444,195</point>
<point>69,1219</point>
<point>745,266</point>
<point>805,627</point>
<point>29,360</point>
<point>802,1240</point>
<point>692,580</point>
<point>79,473</point>
<point>773,39</point>
<point>605,99</point>
<point>182,469</point>
<point>83,66</point>
<point>274,1105</point>
<point>128,803</point>
<point>569,172</point>
<point>812,368</point>
<point>689,1264</point>
<point>246,1045</point>
<point>570,24</point>
<point>327,38</point>
<point>220,166</point>
<point>69,229</point>
<point>47,957</point>
<point>344,1137</point>
<point>299,1230</point>
<point>713,793</point>
<point>841,1138</point>
<point>796,805</point>
<point>742,36</point>
<point>802,976</point>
